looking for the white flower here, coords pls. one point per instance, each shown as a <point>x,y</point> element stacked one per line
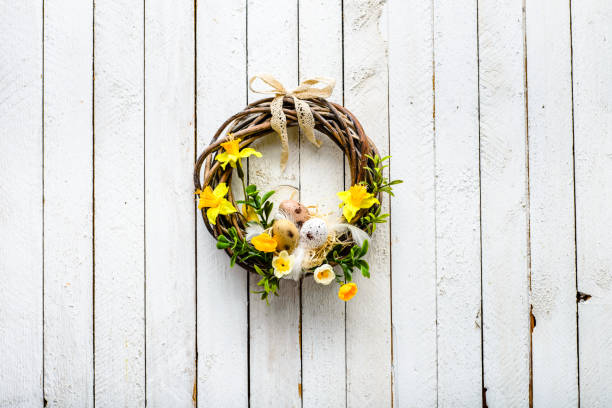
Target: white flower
<point>324,274</point>
<point>282,264</point>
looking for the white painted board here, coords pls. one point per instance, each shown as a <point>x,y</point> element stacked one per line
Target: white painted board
<point>21,205</point>
<point>169,217</point>
<point>457,204</point>
<point>368,318</point>
<point>504,204</point>
<point>68,173</point>
<point>592,59</point>
<point>223,357</point>
<point>275,349</point>
<point>413,207</point>
<point>321,177</point>
<point>551,205</point>
<point>119,234</point>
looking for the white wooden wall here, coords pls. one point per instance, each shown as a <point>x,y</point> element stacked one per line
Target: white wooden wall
<point>491,286</point>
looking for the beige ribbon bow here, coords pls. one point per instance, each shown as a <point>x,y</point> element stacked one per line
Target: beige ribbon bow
<point>306,90</point>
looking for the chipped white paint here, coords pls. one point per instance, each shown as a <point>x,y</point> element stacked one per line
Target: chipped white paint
<point>489,148</point>
<point>169,215</point>
<point>553,272</point>
<point>592,33</point>
<point>68,172</point>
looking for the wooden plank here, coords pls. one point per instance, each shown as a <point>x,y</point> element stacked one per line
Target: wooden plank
<point>368,317</point>
<point>457,204</point>
<point>592,58</point>
<point>553,271</point>
<point>275,351</point>
<point>119,204</point>
<point>322,176</point>
<point>21,204</point>
<point>68,227</point>
<point>221,92</point>
<point>504,203</point>
<point>169,217</point>
<point>413,221</point>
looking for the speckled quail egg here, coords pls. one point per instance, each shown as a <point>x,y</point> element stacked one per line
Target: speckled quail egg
<point>295,211</point>
<point>313,233</point>
<point>286,235</point>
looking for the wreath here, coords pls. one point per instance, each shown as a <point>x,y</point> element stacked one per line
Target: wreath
<point>289,240</point>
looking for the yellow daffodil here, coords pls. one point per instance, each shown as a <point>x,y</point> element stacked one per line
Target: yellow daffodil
<point>215,202</point>
<point>249,213</point>
<point>324,274</point>
<point>347,291</point>
<point>354,199</point>
<point>282,264</point>
<point>264,242</point>
<point>233,154</point>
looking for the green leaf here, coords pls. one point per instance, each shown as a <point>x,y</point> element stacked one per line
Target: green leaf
<point>252,188</point>
<point>223,245</point>
<point>365,270</point>
<point>266,196</point>
<point>364,248</point>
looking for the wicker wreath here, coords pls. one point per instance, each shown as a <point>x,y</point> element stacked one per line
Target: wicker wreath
<point>250,236</point>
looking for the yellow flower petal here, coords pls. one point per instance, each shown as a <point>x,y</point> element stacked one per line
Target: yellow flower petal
<point>208,198</point>
<point>347,291</point>
<point>212,214</point>
<point>264,243</point>
<point>282,264</point>
<point>221,190</point>
<point>249,213</point>
<point>349,212</point>
<point>246,152</point>
<point>226,207</point>
<point>368,202</point>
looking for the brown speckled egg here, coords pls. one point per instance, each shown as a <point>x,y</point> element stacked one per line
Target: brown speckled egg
<point>286,235</point>
<point>314,233</point>
<point>296,211</point>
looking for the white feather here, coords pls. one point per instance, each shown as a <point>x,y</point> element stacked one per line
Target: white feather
<point>252,230</point>
<point>359,235</point>
<point>298,258</point>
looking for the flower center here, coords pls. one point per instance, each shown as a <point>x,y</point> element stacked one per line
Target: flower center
<point>358,193</point>
<point>232,147</point>
<point>323,274</point>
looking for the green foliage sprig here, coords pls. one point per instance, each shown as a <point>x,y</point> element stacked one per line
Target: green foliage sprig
<point>241,250</point>
<point>378,183</point>
<point>353,260</point>
<point>261,205</point>
<point>268,282</point>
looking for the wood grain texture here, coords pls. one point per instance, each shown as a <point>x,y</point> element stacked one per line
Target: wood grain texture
<point>368,320</point>
<point>457,204</point>
<point>553,271</point>
<point>21,204</point>
<point>169,217</point>
<point>592,58</point>
<point>413,231</point>
<point>505,266</point>
<point>274,331</point>
<point>321,177</point>
<point>68,207</point>
<point>119,204</point>
<point>222,291</point>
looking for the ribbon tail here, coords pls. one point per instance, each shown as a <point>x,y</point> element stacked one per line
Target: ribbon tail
<point>279,124</point>
<point>306,120</point>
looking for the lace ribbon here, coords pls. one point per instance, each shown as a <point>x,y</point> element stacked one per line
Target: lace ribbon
<point>306,90</point>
